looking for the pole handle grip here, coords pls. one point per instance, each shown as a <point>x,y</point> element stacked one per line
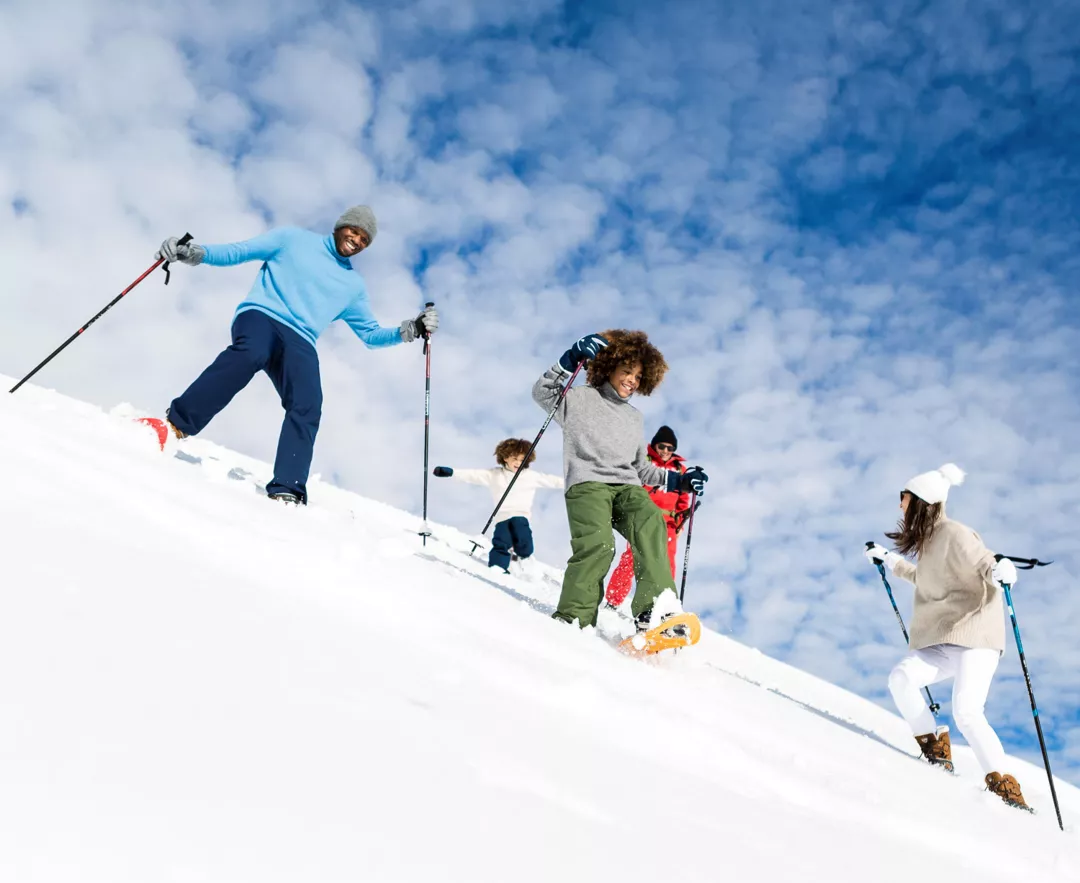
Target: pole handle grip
<point>183,240</point>
<point>870,545</point>
<point>427,334</point>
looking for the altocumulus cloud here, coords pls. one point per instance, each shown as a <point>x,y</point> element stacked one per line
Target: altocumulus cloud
<point>850,226</point>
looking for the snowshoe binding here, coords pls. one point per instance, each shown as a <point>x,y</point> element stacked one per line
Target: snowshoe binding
<point>1008,789</point>
<point>675,630</point>
<point>937,749</point>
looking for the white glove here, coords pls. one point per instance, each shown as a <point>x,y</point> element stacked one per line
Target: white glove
<point>1005,572</point>
<point>877,554</point>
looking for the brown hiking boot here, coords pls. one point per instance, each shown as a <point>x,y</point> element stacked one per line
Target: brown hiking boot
<point>176,431</point>
<point>937,748</point>
<point>1007,788</point>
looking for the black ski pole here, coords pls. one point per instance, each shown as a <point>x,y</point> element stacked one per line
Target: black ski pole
<point>686,553</point>
<point>1031,695</point>
<point>186,238</point>
<point>426,532</point>
<point>934,707</point>
<point>525,459</point>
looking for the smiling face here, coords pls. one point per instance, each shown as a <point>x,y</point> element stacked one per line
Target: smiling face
<point>665,451</point>
<point>514,463</point>
<point>350,241</point>
<point>626,378</point>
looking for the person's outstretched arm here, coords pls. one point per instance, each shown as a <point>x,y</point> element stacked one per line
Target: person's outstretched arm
<point>362,321</point>
<point>545,480</point>
<point>258,248</point>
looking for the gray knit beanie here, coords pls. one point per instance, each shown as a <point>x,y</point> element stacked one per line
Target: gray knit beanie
<point>359,216</point>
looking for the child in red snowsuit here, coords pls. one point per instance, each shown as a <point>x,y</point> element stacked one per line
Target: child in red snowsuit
<point>674,505</point>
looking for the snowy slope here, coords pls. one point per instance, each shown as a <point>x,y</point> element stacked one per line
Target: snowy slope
<point>198,685</point>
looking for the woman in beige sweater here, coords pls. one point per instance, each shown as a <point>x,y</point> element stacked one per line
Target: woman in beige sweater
<point>957,628</point>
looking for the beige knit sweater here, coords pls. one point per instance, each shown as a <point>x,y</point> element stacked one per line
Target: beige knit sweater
<point>956,598</point>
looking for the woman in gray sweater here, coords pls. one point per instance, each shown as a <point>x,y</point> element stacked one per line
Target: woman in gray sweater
<point>957,627</point>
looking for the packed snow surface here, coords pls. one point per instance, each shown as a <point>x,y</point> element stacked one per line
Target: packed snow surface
<point>201,685</point>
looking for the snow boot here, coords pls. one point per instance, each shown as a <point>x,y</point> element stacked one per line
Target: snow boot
<point>666,606</point>
<point>285,497</point>
<point>937,748</point>
<point>176,431</point>
<point>1007,788</point>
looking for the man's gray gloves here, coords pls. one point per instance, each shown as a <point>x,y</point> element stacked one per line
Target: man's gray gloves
<point>426,323</point>
<point>172,250</point>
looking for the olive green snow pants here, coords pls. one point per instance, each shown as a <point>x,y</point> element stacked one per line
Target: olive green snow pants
<point>592,509</point>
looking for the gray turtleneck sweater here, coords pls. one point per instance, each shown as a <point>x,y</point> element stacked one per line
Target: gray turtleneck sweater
<point>603,434</point>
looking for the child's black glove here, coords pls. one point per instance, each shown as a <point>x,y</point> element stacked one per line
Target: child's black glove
<point>691,481</point>
<point>582,350</point>
<point>443,471</point>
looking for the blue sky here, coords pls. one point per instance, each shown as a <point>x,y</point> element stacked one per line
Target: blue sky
<point>852,228</point>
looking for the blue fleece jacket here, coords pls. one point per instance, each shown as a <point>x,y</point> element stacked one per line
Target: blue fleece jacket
<point>305,284</point>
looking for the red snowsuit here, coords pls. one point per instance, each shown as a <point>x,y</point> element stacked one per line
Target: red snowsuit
<point>674,506</point>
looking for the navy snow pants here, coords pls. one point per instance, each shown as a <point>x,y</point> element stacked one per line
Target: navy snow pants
<point>260,343</point>
<point>514,533</point>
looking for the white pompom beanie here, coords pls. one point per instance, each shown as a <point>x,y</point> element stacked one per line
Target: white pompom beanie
<point>933,487</point>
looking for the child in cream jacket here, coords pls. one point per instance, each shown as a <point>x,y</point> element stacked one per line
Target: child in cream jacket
<point>513,534</point>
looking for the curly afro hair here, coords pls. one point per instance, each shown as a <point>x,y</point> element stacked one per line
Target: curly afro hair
<point>625,348</point>
<point>513,447</point>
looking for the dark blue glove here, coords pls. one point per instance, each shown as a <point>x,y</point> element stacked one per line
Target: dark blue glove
<point>584,349</point>
<point>443,471</point>
<point>690,482</point>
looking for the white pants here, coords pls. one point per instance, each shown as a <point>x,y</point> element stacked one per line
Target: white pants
<point>972,670</point>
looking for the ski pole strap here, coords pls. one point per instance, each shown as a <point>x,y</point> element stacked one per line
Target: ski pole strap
<point>1024,563</point>
<point>682,516</point>
<point>183,240</point>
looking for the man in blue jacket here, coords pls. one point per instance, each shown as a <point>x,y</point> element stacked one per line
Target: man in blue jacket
<point>305,283</point>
